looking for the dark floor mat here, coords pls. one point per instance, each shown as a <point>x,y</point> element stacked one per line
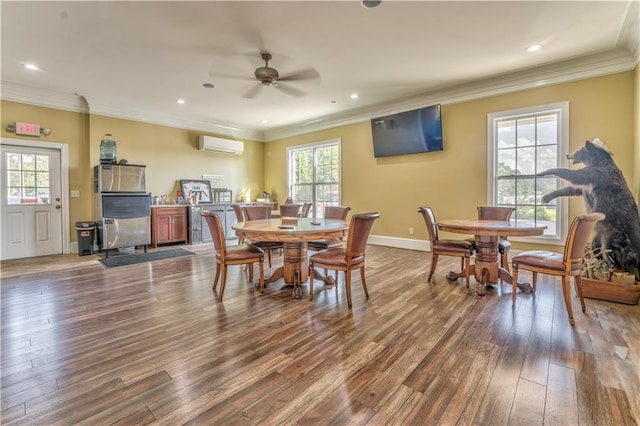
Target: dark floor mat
<point>130,259</point>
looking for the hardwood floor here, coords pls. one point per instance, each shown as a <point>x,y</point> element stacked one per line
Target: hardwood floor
<point>149,343</point>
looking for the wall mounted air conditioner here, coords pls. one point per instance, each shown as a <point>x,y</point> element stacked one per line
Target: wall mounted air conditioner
<point>213,144</point>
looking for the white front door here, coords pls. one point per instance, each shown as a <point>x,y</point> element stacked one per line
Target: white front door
<point>31,202</point>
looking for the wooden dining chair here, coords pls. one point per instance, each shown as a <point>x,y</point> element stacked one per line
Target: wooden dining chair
<point>290,210</point>
<point>330,212</point>
<point>306,209</point>
<point>498,213</point>
<point>261,212</point>
<point>237,209</point>
<point>241,254</point>
<point>456,248</point>
<point>346,258</point>
<point>566,265</point>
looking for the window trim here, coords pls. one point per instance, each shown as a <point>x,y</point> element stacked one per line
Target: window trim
<point>319,144</point>
<point>563,149</point>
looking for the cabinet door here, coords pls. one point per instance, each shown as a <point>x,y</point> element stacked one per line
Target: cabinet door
<point>179,226</point>
<point>163,229</point>
<point>206,233</point>
<point>231,220</point>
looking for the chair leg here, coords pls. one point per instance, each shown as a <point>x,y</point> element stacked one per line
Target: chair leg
<point>434,262</point>
<point>311,281</point>
<point>364,283</point>
<point>534,281</point>
<point>514,284</point>
<point>347,279</point>
<point>250,267</point>
<point>467,267</point>
<point>269,256</point>
<point>566,292</point>
<point>504,261</point>
<point>578,282</point>
<point>224,281</point>
<point>215,279</point>
<point>261,266</point>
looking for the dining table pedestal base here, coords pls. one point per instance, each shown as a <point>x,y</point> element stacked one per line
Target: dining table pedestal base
<point>295,270</point>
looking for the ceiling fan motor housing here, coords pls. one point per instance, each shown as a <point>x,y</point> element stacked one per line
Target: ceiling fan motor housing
<point>266,75</point>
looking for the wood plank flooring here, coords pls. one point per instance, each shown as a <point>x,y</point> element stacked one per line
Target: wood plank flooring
<point>149,343</point>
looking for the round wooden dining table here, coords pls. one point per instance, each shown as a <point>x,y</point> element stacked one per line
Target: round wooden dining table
<point>486,267</point>
<point>294,233</point>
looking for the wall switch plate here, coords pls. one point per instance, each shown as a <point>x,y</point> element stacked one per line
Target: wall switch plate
<point>411,231</point>
<point>75,193</point>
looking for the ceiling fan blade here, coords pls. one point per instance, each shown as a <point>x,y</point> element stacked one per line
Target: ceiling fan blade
<point>308,74</point>
<point>253,92</point>
<point>289,90</point>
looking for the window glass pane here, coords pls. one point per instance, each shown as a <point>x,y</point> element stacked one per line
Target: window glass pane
<point>547,185</point>
<point>28,162</point>
<point>547,157</point>
<point>506,134</point>
<point>526,161</point>
<point>525,190</point>
<point>506,162</point>
<point>506,191</point>
<point>526,131</point>
<point>13,161</point>
<point>42,163</point>
<point>547,129</point>
<point>29,179</point>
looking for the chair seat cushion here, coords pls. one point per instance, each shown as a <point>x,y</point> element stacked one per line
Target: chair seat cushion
<point>243,251</point>
<point>539,259</point>
<point>335,257</point>
<point>324,244</point>
<point>457,246</point>
<point>268,245</point>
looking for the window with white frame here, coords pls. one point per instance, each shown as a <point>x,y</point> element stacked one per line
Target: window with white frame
<point>314,175</point>
<point>522,143</point>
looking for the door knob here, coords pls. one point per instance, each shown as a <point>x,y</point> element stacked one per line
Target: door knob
<point>57,198</point>
<point>58,206</point>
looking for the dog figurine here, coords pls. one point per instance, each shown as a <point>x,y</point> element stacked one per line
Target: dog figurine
<point>604,189</point>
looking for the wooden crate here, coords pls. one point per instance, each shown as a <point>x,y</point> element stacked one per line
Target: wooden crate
<point>611,291</point>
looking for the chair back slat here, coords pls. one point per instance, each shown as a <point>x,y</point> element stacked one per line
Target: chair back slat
<point>430,221</point>
<point>257,212</point>
<point>290,210</point>
<point>237,209</point>
<point>495,212</point>
<point>336,212</point>
<point>579,234</point>
<point>359,229</point>
<point>306,208</point>
<point>217,233</point>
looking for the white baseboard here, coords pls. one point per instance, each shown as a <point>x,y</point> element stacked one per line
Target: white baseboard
<point>403,243</point>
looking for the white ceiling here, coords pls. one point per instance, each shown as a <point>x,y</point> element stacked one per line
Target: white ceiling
<point>135,59</point>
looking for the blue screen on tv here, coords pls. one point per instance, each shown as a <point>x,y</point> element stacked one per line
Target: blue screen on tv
<point>408,132</point>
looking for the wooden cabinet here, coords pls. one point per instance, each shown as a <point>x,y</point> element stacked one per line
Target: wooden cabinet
<point>168,225</point>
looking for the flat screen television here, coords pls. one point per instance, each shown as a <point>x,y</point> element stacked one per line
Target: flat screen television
<point>408,132</point>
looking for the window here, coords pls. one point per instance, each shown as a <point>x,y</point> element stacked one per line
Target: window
<point>28,179</point>
<point>522,143</point>
<point>314,175</point>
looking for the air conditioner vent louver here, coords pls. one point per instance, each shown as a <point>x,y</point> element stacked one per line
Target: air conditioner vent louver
<point>214,144</point>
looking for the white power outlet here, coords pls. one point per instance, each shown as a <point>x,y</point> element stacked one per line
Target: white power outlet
<point>75,193</point>
<point>411,231</point>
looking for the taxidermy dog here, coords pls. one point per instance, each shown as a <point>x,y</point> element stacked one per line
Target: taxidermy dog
<point>604,189</point>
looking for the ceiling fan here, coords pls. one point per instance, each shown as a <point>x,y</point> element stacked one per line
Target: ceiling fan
<point>268,76</point>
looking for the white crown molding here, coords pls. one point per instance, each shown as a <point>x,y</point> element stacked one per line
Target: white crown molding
<point>610,62</point>
<point>44,98</point>
<point>97,106</point>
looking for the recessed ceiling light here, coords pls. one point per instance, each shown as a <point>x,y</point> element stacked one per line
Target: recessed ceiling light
<point>180,101</point>
<point>265,121</point>
<point>354,96</point>
<point>31,67</point>
<point>534,48</point>
<point>369,4</point>
<point>209,85</point>
<point>333,102</point>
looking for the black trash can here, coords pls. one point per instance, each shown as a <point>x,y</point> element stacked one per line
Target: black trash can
<point>85,231</point>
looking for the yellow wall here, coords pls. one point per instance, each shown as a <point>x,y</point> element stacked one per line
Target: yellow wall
<point>170,154</point>
<point>453,181</point>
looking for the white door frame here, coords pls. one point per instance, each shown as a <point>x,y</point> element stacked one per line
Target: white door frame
<point>64,179</point>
